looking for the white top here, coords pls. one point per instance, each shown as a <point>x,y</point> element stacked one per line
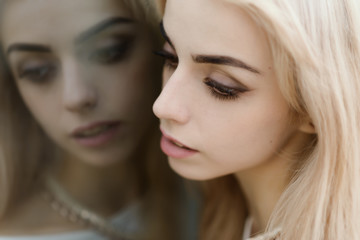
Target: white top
<point>127,221</point>
<point>247,232</point>
<point>80,235</point>
<point>247,228</point>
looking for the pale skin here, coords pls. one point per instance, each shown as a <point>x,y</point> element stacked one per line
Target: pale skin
<point>232,112</point>
<point>72,78</point>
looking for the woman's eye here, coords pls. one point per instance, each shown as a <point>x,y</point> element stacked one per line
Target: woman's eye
<point>112,54</point>
<point>171,60</point>
<point>38,74</point>
<point>223,92</point>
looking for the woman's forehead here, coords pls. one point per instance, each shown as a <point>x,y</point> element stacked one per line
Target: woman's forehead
<point>39,20</point>
<point>215,28</point>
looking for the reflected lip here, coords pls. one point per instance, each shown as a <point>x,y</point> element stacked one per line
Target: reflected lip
<point>97,134</point>
<point>80,130</point>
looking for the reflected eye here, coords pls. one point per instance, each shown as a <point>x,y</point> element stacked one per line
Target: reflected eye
<point>37,73</point>
<point>112,54</point>
<point>223,92</point>
<point>171,60</point>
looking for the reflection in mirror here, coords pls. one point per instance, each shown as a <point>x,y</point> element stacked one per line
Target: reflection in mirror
<point>81,156</point>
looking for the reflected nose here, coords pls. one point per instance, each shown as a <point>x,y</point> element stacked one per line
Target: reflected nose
<point>172,102</point>
<point>79,94</point>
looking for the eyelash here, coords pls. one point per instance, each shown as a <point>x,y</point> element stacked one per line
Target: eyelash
<point>217,90</point>
<point>39,74</point>
<point>223,92</point>
<point>171,60</point>
<point>106,56</point>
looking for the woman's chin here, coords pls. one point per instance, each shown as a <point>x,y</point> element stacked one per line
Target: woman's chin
<point>191,171</point>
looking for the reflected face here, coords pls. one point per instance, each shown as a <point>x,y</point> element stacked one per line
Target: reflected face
<point>85,70</point>
<point>221,109</point>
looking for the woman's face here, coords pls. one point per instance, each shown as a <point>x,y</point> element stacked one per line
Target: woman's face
<point>221,109</point>
<point>85,70</point>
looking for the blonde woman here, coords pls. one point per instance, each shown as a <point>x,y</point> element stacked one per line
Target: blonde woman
<point>261,100</point>
<point>79,156</point>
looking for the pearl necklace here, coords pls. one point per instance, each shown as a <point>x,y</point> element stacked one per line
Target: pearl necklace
<point>69,209</point>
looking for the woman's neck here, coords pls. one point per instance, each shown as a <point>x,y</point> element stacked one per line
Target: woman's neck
<point>264,184</point>
<point>262,188</point>
<point>104,190</point>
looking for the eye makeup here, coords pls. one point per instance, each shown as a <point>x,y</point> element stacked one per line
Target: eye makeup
<point>223,92</point>
<point>36,71</point>
<point>217,89</point>
<point>114,50</point>
<point>171,60</point>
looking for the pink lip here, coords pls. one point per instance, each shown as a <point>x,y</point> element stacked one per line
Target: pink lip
<point>169,147</point>
<point>98,139</point>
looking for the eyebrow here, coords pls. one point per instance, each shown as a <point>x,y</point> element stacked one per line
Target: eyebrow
<point>224,60</point>
<point>103,25</point>
<point>213,59</point>
<point>27,48</point>
<point>163,33</point>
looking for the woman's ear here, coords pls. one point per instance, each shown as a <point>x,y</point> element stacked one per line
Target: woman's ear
<point>307,126</point>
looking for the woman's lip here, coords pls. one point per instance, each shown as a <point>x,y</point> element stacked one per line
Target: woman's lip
<point>174,140</point>
<point>170,147</point>
<point>98,138</point>
<point>174,151</point>
<point>93,125</point>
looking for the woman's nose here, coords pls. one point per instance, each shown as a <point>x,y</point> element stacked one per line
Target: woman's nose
<point>172,102</point>
<point>79,93</point>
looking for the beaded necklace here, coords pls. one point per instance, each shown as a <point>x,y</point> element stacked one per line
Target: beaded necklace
<point>69,209</point>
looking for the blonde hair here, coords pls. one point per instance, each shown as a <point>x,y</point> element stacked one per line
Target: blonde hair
<point>25,149</point>
<point>316,51</point>
<point>143,9</point>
